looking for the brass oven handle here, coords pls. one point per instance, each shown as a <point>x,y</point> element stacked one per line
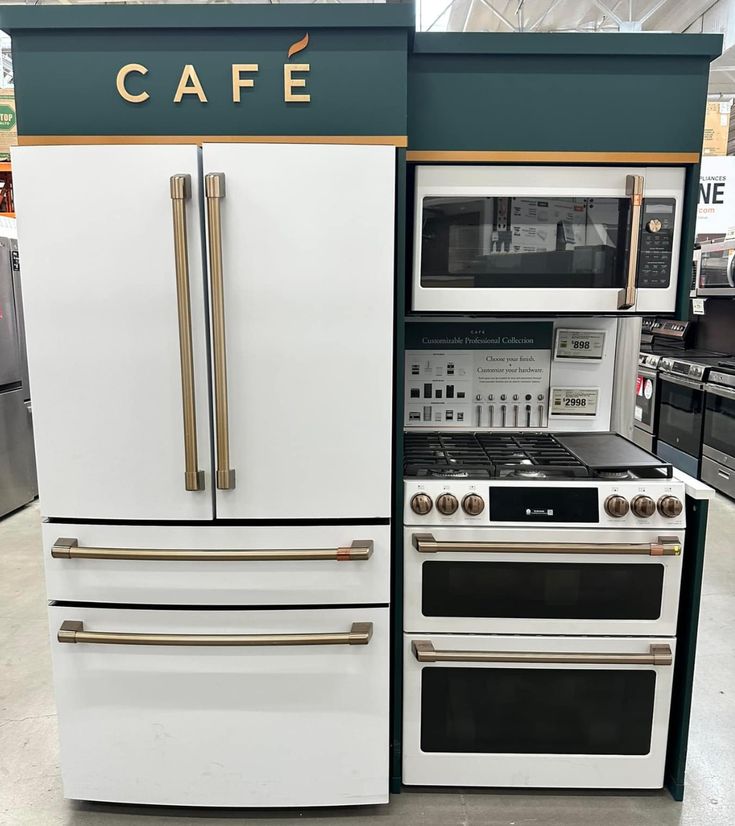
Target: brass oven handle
<point>425,652</point>
<point>666,546</point>
<point>214,184</point>
<point>360,549</point>
<point>72,631</point>
<point>180,194</point>
<point>634,190</point>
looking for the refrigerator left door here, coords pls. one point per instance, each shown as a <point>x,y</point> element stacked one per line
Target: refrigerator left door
<point>117,354</point>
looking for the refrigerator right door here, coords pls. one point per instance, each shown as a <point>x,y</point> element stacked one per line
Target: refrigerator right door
<point>116,346</point>
<point>301,256</point>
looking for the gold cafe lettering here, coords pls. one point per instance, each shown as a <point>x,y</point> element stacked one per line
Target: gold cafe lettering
<point>190,84</point>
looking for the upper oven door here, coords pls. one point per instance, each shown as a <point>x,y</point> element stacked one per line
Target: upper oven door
<point>546,239</point>
<point>716,269</point>
<point>680,413</point>
<point>542,581</point>
<point>719,419</point>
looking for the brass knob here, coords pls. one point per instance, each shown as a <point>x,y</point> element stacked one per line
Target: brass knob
<point>616,506</point>
<point>670,506</point>
<point>654,225</point>
<point>446,503</point>
<point>421,503</point>
<point>643,506</point>
<point>473,504</point>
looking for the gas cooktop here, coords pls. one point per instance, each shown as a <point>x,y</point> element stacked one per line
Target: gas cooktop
<point>444,455</point>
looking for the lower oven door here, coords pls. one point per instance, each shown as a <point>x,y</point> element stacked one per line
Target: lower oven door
<point>556,712</point>
<point>542,581</point>
<point>223,707</point>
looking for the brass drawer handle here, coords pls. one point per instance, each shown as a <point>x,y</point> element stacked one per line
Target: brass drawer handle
<point>360,549</point>
<point>214,184</point>
<point>425,652</point>
<point>180,194</point>
<point>72,631</point>
<point>634,190</point>
<point>666,546</point>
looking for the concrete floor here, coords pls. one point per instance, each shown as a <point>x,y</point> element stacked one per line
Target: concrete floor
<point>30,785</point>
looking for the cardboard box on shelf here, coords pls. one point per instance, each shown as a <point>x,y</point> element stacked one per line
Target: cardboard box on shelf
<point>716,127</point>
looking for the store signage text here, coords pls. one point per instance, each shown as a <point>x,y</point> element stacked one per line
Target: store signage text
<point>189,83</point>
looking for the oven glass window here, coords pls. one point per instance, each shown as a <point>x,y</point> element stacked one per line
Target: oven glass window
<point>537,710</point>
<point>680,416</point>
<point>542,590</point>
<point>719,424</point>
<point>524,242</point>
<point>716,269</point>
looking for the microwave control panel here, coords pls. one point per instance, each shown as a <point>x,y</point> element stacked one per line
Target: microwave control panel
<point>657,243</point>
<point>519,375</point>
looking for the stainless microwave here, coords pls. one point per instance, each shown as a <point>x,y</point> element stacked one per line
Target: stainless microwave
<point>547,239</point>
<point>715,269</point>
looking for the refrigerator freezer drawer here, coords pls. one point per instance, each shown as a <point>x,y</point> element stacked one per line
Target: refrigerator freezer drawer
<point>216,565</point>
<point>213,724</point>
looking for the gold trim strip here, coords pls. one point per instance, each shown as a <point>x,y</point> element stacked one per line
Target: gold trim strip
<point>552,157</point>
<point>84,140</point>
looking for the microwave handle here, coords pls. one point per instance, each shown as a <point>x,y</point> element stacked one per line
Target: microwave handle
<point>634,190</point>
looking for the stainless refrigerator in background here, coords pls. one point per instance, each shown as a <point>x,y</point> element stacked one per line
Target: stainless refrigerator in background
<point>17,459</point>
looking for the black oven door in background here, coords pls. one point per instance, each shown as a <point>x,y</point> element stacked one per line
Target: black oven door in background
<point>680,418</point>
<point>718,450</point>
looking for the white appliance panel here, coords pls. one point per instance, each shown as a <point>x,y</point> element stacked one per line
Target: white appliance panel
<point>415,620</point>
<point>308,283</point>
<point>103,334</point>
<point>600,771</point>
<point>223,726</point>
<point>553,182</point>
<point>218,582</point>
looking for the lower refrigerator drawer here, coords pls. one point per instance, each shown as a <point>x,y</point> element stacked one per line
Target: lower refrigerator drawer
<point>147,715</point>
<point>559,712</point>
<point>217,565</point>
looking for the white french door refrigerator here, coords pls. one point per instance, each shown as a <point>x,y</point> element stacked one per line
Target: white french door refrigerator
<point>210,348</point>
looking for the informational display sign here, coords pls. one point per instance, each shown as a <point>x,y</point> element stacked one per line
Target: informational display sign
<point>716,127</point>
<point>582,345</point>
<point>716,207</point>
<point>574,401</point>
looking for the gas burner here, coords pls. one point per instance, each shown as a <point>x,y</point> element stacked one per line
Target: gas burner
<point>527,473</point>
<point>614,475</point>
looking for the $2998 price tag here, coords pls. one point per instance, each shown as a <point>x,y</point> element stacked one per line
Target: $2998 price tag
<point>568,401</point>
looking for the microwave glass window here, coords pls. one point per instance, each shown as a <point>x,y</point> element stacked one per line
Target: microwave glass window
<point>680,416</point>
<point>716,269</point>
<point>537,710</point>
<point>719,423</point>
<point>543,590</point>
<point>524,242</point>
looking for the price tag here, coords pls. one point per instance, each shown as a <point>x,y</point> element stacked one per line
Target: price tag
<point>573,401</point>
<point>579,344</point>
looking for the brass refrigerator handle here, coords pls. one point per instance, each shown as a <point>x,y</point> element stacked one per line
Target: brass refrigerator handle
<point>360,549</point>
<point>72,631</point>
<point>424,651</point>
<point>666,546</point>
<point>634,190</point>
<point>214,186</point>
<point>180,194</point>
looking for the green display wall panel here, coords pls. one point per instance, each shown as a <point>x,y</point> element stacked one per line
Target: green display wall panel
<point>563,92</point>
<point>66,62</point>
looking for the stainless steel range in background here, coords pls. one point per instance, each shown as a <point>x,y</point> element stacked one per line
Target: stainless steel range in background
<point>541,577</point>
<point>718,449</point>
<point>18,484</point>
<point>714,268</point>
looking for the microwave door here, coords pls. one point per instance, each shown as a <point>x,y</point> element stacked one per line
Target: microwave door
<point>538,239</point>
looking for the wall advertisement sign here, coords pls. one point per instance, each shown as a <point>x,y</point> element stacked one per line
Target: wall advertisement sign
<point>716,208</point>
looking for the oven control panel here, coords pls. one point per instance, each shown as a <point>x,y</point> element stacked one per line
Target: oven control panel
<point>493,503</point>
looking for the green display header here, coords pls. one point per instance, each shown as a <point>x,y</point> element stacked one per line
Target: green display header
<point>494,335</point>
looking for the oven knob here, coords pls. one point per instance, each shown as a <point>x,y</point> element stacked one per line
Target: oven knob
<point>446,503</point>
<point>421,503</point>
<point>670,506</point>
<point>654,225</point>
<point>473,504</point>
<point>643,506</point>
<point>616,506</point>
